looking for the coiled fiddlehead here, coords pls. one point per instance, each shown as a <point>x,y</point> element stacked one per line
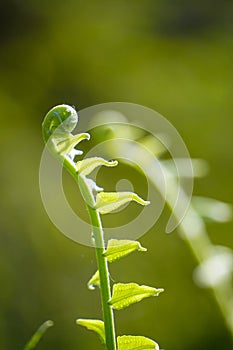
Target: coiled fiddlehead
<point>62,116</point>
<point>57,126</point>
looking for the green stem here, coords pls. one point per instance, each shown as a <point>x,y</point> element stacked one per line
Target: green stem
<point>102,263</point>
<point>104,279</point>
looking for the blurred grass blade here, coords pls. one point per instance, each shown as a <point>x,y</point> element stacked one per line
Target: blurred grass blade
<point>125,294</point>
<point>199,166</point>
<point>117,249</point>
<point>212,209</point>
<point>106,202</point>
<point>96,326</point>
<point>129,342</point>
<point>38,335</point>
<point>86,166</point>
<point>94,281</point>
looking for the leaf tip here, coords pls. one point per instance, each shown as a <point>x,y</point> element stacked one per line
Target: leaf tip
<point>139,200</point>
<point>90,286</point>
<point>158,291</point>
<point>142,249</point>
<point>113,162</point>
<point>94,281</point>
<point>49,323</point>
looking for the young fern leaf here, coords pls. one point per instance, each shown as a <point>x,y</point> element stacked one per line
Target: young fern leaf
<point>94,281</point>
<point>57,126</point>
<point>130,342</point>
<point>66,147</point>
<point>106,202</point>
<point>86,166</point>
<point>59,122</point>
<point>125,294</point>
<point>96,326</point>
<point>117,249</point>
<point>38,335</point>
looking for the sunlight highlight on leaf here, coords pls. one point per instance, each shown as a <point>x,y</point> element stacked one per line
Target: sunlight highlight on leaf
<point>130,342</point>
<point>106,202</point>
<point>125,294</point>
<point>86,166</point>
<point>96,326</point>
<point>117,249</point>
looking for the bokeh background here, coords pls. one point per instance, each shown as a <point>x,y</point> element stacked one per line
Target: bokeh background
<point>170,55</point>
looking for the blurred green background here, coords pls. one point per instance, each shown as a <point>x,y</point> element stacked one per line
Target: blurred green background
<point>170,55</point>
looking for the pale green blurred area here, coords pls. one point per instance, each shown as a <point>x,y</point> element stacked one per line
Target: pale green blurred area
<point>173,56</point>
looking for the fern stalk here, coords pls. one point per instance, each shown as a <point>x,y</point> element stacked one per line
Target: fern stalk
<point>105,288</point>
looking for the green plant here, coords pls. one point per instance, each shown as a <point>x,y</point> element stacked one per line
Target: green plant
<point>38,335</point>
<point>57,126</point>
<point>215,262</point>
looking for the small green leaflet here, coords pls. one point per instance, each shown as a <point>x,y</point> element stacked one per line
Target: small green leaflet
<point>94,281</point>
<point>38,335</point>
<point>125,294</point>
<point>86,166</point>
<point>107,202</point>
<point>117,249</point>
<point>96,326</point>
<point>130,342</point>
<point>65,146</point>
